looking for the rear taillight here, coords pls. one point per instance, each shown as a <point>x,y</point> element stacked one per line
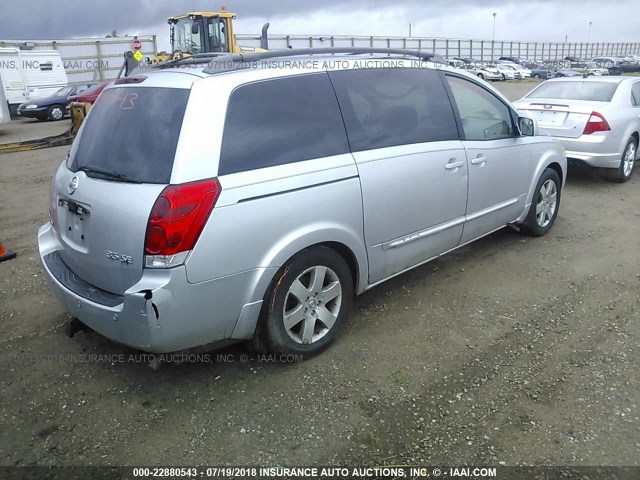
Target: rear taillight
<point>596,123</point>
<point>177,219</point>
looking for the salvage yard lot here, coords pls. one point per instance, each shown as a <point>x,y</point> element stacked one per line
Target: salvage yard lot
<point>513,349</point>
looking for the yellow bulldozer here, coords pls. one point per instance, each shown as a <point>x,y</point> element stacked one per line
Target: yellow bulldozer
<point>196,34</point>
<point>199,33</point>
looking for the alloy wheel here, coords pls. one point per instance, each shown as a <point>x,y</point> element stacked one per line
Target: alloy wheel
<point>547,203</point>
<point>629,159</point>
<point>312,304</point>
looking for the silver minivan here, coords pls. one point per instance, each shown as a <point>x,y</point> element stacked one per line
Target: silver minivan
<point>253,198</point>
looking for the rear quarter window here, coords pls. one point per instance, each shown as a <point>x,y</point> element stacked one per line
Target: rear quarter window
<point>280,121</point>
<point>133,132</point>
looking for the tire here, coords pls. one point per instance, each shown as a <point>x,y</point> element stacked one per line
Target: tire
<point>627,162</point>
<point>294,280</point>
<point>481,76</point>
<point>56,112</point>
<point>536,76</point>
<point>504,77</point>
<point>545,205</point>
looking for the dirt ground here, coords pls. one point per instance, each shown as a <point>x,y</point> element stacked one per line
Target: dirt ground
<point>513,351</point>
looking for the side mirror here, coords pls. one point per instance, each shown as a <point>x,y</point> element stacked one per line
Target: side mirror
<point>195,29</point>
<point>528,127</point>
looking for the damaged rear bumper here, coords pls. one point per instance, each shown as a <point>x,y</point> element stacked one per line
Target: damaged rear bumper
<point>161,313</point>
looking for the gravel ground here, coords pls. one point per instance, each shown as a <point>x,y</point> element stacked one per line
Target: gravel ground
<point>512,350</point>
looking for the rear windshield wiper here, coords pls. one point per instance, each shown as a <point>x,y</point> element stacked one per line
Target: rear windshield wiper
<point>105,173</point>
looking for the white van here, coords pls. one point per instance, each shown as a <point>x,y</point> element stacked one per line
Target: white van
<point>28,74</point>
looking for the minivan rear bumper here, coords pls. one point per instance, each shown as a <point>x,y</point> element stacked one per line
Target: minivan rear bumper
<point>161,313</point>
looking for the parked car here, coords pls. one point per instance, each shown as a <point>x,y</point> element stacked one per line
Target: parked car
<point>568,72</point>
<point>486,72</point>
<point>88,96</point>
<point>595,118</point>
<point>507,72</point>
<point>52,107</point>
<point>524,72</point>
<point>512,68</point>
<point>592,68</point>
<point>176,223</point>
<point>545,71</point>
<point>605,60</point>
<point>574,59</point>
<point>516,60</point>
<point>612,64</point>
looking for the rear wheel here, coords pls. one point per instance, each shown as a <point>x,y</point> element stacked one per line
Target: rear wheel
<point>308,303</point>
<point>627,162</point>
<point>535,75</point>
<point>545,204</point>
<point>56,112</point>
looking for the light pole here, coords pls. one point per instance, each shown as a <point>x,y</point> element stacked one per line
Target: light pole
<point>493,38</point>
<point>411,25</point>
<point>589,38</point>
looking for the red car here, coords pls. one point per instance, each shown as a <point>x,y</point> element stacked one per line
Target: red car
<point>88,96</point>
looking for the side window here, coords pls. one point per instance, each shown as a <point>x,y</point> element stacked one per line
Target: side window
<point>285,120</point>
<point>81,88</point>
<point>484,116</point>
<point>386,107</point>
<point>635,94</point>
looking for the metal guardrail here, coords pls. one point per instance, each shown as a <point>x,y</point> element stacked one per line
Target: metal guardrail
<point>483,50</point>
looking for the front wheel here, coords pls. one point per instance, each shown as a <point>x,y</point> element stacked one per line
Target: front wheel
<point>545,204</point>
<point>627,162</point>
<point>481,76</point>
<point>308,303</point>
<point>56,112</point>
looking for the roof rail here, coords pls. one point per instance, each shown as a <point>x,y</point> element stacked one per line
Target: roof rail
<point>243,58</point>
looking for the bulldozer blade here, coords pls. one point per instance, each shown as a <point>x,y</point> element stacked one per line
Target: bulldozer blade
<point>78,112</point>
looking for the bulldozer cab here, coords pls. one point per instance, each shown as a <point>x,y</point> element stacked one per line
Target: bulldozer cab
<point>198,33</point>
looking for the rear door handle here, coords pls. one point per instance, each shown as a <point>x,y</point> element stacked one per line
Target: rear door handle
<point>453,165</point>
<point>479,160</point>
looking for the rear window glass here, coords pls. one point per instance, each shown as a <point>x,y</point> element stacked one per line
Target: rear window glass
<point>280,121</point>
<point>592,91</point>
<point>132,132</point>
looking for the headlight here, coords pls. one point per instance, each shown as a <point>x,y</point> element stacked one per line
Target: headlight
<point>30,107</point>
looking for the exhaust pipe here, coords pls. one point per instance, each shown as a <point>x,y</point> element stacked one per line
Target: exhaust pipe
<point>264,40</point>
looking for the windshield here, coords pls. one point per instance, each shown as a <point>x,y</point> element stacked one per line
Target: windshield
<point>186,41</point>
<point>132,134</point>
<point>64,91</point>
<point>591,91</point>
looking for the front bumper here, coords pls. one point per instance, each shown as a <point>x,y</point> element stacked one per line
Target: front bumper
<point>33,112</point>
<point>163,312</point>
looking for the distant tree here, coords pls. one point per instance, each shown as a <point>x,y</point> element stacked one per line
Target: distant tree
<point>113,34</point>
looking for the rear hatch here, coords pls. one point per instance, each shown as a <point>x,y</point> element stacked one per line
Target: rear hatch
<point>117,168</point>
<point>564,108</point>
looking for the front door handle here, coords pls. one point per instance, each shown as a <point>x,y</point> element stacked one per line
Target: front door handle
<point>453,165</point>
<point>479,160</point>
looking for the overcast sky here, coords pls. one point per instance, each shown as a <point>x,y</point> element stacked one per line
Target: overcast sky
<point>536,20</point>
